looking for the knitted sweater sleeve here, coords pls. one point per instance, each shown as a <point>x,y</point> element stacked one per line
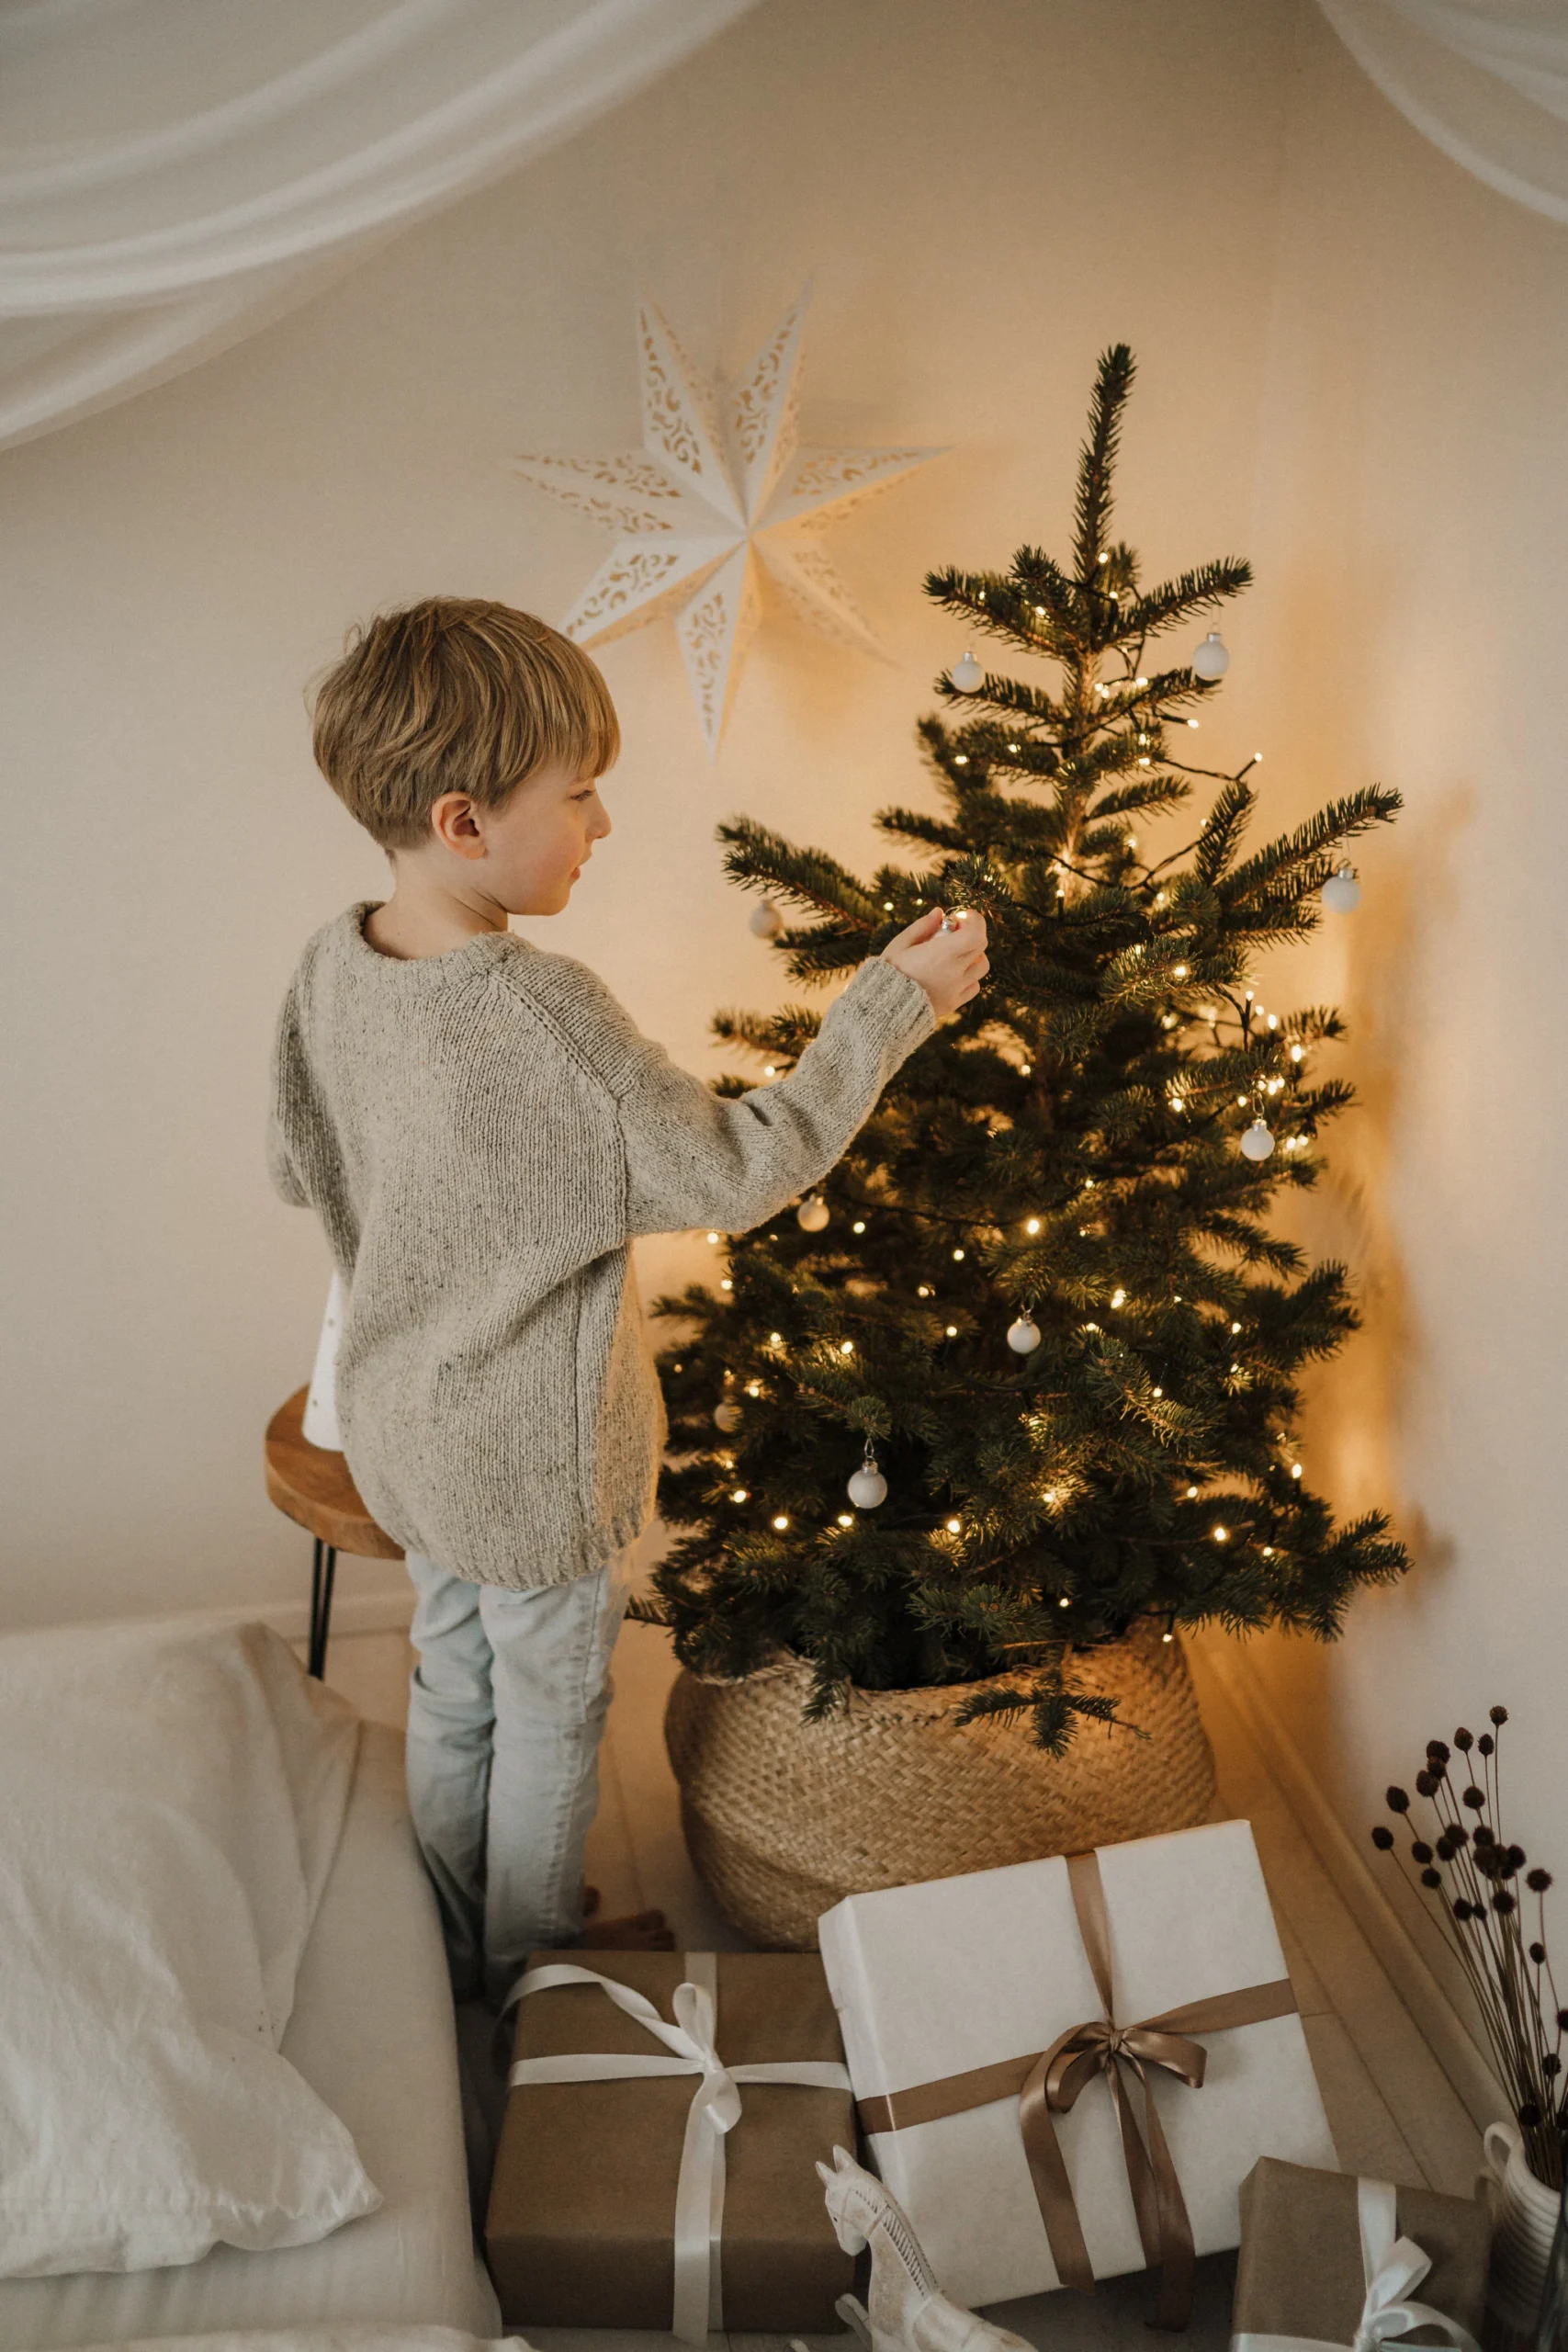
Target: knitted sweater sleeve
<point>286,1074</point>
<point>697,1157</point>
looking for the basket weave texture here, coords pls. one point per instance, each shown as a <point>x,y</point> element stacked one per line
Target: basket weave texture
<point>784,1817</point>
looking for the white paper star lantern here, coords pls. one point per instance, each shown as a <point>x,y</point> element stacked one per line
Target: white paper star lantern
<point>719,499</point>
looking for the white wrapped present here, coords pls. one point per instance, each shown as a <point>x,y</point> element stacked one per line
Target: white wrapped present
<point>1067,2068</point>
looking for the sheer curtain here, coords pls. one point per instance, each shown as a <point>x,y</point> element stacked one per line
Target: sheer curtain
<point>174,173</point>
<point>1485,80</point>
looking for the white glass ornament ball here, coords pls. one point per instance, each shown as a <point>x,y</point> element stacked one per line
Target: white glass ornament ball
<point>1342,892</point>
<point>966,673</point>
<point>765,920</point>
<point>1257,1143</point>
<point>1211,660</point>
<point>1023,1337</point>
<point>813,1213</point>
<point>726,1417</point>
<point>868,1487</point>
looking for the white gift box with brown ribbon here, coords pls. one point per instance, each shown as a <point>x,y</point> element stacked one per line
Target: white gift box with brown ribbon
<point>1065,2069</point>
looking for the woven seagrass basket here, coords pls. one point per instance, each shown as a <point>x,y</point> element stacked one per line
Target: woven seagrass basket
<point>784,1817</point>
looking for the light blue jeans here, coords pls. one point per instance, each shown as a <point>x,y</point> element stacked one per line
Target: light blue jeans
<point>506,1706</point>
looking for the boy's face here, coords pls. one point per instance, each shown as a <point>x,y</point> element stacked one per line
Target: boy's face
<point>528,853</point>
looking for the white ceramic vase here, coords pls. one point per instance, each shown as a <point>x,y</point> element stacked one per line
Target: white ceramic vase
<point>1525,2218</point>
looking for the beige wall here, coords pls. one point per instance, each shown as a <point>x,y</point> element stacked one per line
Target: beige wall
<point>1351,362</point>
<point>1412,535</point>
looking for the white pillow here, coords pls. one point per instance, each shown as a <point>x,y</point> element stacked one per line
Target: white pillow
<point>170,1803</point>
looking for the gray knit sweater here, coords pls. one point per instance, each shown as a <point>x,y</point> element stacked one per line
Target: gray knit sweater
<point>482,1134</point>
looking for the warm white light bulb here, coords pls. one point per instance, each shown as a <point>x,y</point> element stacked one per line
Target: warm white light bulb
<point>741,1494</point>
<point>1221,1535</point>
<point>1033,1224</point>
<point>713,1237</point>
<point>847,1348</point>
<point>781,1521</point>
<point>952,1330</point>
<point>957,1253</point>
<point>858,1225</point>
<point>846,1518</point>
<point>953,1526</point>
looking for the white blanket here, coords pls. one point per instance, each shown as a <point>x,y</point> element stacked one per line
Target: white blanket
<point>171,1799</point>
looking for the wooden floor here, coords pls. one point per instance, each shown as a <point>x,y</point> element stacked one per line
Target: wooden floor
<point>1392,2110</point>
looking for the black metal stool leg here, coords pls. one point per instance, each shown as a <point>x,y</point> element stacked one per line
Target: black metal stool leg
<point>312,1656</point>
<point>329,1574</point>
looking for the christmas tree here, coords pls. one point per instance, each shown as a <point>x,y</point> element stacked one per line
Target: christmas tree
<point>1036,1322</point>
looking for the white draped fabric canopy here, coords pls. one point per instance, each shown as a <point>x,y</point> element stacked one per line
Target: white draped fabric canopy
<point>175,173</point>
<point>1485,80</point>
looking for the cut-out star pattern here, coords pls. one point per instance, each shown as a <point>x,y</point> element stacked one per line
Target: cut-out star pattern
<point>720,510</point>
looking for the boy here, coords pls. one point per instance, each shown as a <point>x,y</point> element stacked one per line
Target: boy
<point>482,1132</point>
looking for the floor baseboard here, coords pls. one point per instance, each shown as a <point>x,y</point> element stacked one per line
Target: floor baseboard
<point>353,1613</point>
<point>1445,2031</point>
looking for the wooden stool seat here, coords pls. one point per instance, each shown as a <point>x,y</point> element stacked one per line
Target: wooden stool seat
<point>312,1487</point>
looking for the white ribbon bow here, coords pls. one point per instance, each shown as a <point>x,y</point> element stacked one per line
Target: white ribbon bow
<point>1392,2267</point>
<point>714,2110</point>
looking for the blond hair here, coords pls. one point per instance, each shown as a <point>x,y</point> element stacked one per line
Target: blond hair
<point>455,695</point>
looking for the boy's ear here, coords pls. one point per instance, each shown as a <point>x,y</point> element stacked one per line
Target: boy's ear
<point>454,822</point>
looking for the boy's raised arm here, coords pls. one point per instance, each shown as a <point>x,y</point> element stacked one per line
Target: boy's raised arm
<point>695,1157</point>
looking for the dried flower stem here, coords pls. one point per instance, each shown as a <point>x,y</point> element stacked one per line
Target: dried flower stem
<point>1481,1912</point>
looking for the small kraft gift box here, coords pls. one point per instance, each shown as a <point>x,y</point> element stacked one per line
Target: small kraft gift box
<point>1329,2261</point>
<point>1065,2069</point>
<point>657,2166</point>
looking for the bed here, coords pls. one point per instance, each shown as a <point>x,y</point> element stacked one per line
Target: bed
<point>372,2033</point>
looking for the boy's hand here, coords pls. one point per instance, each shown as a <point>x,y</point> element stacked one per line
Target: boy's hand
<point>946,955</point>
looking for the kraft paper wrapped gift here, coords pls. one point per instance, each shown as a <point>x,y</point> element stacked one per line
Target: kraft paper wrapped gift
<point>1329,2260</point>
<point>613,2152</point>
<point>983,2044</point>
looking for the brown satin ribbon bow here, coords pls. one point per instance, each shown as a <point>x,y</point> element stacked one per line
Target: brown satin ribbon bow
<point>1050,2084</point>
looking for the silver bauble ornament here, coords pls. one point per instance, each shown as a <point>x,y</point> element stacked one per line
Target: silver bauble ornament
<point>1023,1337</point>
<point>765,920</point>
<point>1211,660</point>
<point>1257,1143</point>
<point>726,1417</point>
<point>868,1487</point>
<point>813,1213</point>
<point>966,673</point>
<point>1342,892</point>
